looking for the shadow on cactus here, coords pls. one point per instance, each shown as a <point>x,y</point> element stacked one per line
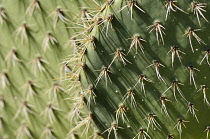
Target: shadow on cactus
<point>143,68</point>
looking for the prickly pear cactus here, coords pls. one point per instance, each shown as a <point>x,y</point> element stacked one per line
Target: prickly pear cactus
<point>131,69</point>
<point>141,67</point>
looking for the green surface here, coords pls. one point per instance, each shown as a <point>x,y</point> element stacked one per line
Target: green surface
<point>27,110</point>
<point>124,77</point>
<point>65,97</point>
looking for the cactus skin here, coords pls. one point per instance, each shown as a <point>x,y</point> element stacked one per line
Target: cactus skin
<point>25,98</point>
<point>111,84</point>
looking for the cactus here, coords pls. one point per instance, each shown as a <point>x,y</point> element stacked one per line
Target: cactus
<point>34,41</point>
<point>114,69</point>
<point>145,73</point>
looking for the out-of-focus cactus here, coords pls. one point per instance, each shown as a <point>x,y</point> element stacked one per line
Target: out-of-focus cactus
<point>33,43</point>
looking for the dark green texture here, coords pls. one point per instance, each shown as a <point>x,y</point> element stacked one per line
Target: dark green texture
<point>125,77</point>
